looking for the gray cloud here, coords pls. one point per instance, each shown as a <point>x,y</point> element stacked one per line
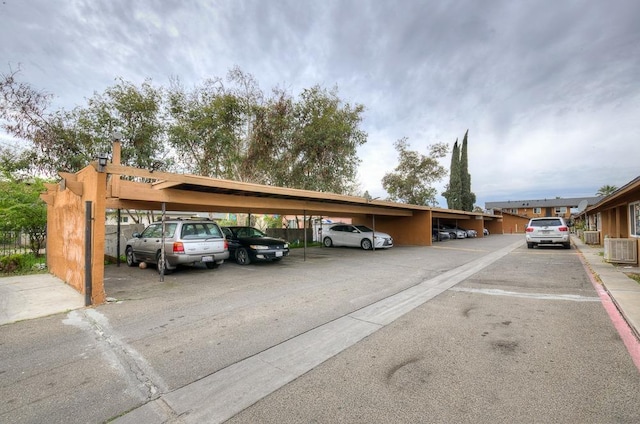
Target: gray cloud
<point>521,76</point>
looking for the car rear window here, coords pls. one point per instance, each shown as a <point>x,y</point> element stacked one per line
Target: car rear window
<point>551,222</point>
<point>200,230</point>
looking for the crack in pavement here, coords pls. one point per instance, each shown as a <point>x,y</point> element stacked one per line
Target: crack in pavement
<point>138,373</point>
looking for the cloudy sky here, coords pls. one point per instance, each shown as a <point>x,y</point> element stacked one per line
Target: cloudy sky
<point>549,90</point>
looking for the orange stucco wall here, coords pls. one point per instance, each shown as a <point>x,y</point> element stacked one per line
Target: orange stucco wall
<point>512,224</point>
<point>406,230</point>
<point>66,233</point>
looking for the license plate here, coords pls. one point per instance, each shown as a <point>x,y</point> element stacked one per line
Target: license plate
<point>278,254</point>
<point>207,259</point>
<point>545,231</point>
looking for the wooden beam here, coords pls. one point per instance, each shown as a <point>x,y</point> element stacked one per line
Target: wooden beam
<point>76,187</point>
<point>160,185</point>
<point>47,198</point>
<point>68,176</point>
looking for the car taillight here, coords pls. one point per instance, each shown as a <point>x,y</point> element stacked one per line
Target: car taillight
<point>529,229</point>
<point>226,244</point>
<point>563,228</point>
<point>178,247</point>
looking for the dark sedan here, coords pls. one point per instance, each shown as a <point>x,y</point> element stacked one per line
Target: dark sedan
<point>247,244</point>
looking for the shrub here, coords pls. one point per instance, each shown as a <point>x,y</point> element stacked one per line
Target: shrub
<point>19,264</point>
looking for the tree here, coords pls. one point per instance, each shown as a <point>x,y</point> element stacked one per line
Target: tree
<point>22,209</point>
<point>606,190</point>
<point>467,197</point>
<point>204,130</point>
<point>458,192</point>
<point>69,140</point>
<point>412,178</point>
<point>318,150</point>
<point>452,192</point>
<point>220,129</point>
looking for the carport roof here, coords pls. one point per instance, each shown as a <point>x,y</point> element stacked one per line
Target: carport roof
<point>198,193</point>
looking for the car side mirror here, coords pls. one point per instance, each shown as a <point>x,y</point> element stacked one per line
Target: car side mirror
<point>135,235</point>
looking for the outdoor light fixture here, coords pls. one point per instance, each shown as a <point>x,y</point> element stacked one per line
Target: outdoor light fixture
<point>102,161</point>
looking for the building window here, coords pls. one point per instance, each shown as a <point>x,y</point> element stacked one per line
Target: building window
<point>537,211</point>
<point>514,211</point>
<point>634,219</point>
<point>124,219</point>
<point>561,210</point>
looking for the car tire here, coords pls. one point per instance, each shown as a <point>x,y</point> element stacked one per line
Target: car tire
<point>161,263</point>
<point>453,235</point>
<point>567,245</point>
<point>212,265</point>
<point>327,242</point>
<point>131,259</point>
<point>366,244</point>
<point>530,245</point>
<point>242,256</point>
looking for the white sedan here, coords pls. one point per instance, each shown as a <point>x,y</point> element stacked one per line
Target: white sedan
<point>356,236</point>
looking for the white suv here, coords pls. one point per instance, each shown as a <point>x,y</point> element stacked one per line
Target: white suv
<point>548,230</point>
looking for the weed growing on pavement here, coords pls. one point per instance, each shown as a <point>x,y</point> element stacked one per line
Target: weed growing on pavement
<point>633,276</point>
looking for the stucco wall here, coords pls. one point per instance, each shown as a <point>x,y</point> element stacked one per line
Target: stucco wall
<point>65,241</point>
<point>512,224</point>
<point>66,225</point>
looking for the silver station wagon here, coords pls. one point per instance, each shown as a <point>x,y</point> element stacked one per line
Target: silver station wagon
<point>185,243</point>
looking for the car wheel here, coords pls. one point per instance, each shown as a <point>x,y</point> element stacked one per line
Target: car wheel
<point>366,244</point>
<point>131,260</point>
<point>327,242</point>
<point>453,235</point>
<point>161,263</point>
<point>212,265</point>
<point>567,245</point>
<point>242,257</point>
<point>530,245</point>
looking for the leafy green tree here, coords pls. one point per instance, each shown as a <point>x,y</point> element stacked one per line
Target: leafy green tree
<point>321,152</point>
<point>204,130</point>
<point>22,209</point>
<point>412,178</point>
<point>226,129</point>
<point>69,140</point>
<point>606,190</point>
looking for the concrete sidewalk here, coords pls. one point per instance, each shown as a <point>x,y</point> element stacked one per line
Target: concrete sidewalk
<point>624,291</point>
<point>34,296</point>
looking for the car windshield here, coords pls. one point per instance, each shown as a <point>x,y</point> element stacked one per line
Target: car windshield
<point>551,222</point>
<point>248,232</point>
<point>364,228</point>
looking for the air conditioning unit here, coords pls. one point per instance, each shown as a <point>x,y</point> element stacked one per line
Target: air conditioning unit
<point>592,237</point>
<point>620,250</point>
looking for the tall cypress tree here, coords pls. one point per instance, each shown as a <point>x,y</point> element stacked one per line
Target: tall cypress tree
<point>452,194</point>
<point>467,198</point>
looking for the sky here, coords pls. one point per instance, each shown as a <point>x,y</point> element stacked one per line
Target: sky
<point>549,90</point>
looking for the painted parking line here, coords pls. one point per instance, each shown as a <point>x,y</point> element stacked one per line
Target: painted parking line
<point>537,296</point>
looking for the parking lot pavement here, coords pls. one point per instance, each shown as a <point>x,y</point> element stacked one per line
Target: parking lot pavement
<point>243,332</point>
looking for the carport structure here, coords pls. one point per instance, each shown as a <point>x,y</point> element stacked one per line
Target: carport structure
<point>76,212</point>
